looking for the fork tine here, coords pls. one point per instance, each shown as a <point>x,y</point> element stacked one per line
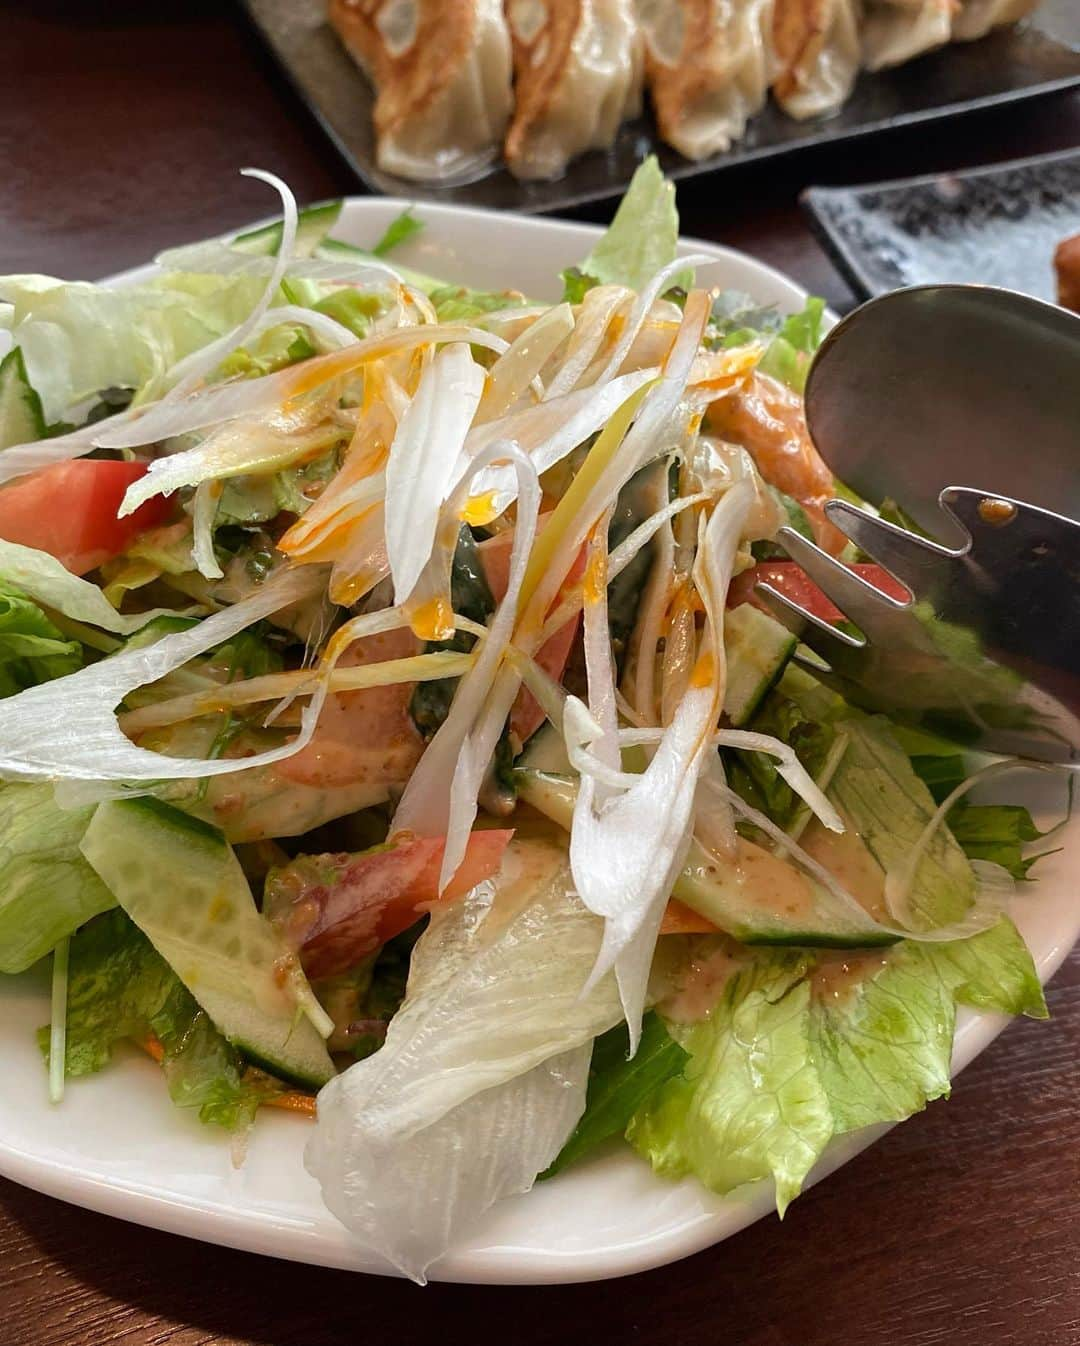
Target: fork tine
<point>916,562</point>
<point>825,640</point>
<point>866,606</point>
<point>800,622</point>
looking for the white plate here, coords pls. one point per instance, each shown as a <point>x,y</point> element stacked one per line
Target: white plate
<point>117,1145</point>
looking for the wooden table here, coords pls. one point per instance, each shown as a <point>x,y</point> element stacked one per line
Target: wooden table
<point>122,126</point>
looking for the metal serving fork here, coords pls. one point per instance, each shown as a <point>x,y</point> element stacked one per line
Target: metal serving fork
<point>912,392</point>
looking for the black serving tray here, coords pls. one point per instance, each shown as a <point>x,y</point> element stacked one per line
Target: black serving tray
<point>1039,56</point>
<point>991,226</point>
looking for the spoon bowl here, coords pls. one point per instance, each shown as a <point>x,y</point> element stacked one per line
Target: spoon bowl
<point>911,394</point>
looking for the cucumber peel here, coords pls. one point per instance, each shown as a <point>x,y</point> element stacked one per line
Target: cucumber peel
<point>22,418</point>
<point>757,898</point>
<point>312,225</point>
<point>180,882</point>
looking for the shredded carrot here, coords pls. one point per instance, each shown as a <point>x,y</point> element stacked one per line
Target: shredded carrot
<point>294,1101</point>
<point>152,1046</point>
<point>291,1101</point>
<point>679,919</point>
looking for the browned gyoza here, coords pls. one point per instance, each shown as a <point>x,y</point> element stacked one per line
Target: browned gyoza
<point>577,76</point>
<point>441,69</point>
<point>707,66</point>
<point>817,52</point>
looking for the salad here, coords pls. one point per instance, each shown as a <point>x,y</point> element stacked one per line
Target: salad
<point>393,731</point>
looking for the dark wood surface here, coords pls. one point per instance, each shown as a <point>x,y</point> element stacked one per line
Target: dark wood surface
<point>122,126</point>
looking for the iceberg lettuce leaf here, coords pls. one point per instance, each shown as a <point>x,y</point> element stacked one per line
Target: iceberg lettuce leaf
<point>882,1033</point>
<point>47,890</point>
<point>483,1072</point>
<point>77,337</point>
<point>790,353</point>
<point>750,1103</point>
<point>801,1048</point>
<point>643,237</point>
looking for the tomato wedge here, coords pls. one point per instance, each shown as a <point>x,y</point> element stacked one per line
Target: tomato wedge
<point>337,909</point>
<point>794,583</point>
<point>69,510</point>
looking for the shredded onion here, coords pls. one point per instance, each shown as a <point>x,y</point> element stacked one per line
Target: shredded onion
<point>423,456</point>
<point>204,511</point>
<point>67,728</point>
<point>660,282</point>
<point>598,308</point>
<point>174,416</point>
<point>428,807</point>
<point>513,372</point>
<point>206,359</point>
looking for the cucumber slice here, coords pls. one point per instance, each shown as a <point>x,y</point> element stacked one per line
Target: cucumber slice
<point>758,649</point>
<point>313,224</point>
<point>759,899</point>
<point>22,419</point>
<point>545,752</point>
<point>156,628</point>
<point>179,881</point>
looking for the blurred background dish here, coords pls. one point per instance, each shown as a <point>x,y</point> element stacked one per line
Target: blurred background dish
<point>997,226</point>
<point>708,102</point>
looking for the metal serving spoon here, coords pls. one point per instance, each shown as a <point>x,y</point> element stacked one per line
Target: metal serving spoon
<point>911,393</point>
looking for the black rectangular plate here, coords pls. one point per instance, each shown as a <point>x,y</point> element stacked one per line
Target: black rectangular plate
<point>1039,56</point>
<point>989,226</point>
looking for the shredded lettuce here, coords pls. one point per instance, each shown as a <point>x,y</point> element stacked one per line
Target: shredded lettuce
<point>737,318</point>
<point>120,989</point>
<point>400,229</point>
<point>482,1075</point>
<point>34,574</point>
<point>275,349</point>
<point>643,236</point>
<point>32,649</point>
<point>576,284</point>
<point>353,308</point>
<point>47,890</point>
<point>876,788</point>
<point>257,498</point>
<point>790,352</point>
<point>457,303</point>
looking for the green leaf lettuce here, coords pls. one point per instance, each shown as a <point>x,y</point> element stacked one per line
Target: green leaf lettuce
<point>32,650</point>
<point>120,989</point>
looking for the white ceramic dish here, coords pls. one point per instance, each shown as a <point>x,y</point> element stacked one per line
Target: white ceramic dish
<point>117,1145</point>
